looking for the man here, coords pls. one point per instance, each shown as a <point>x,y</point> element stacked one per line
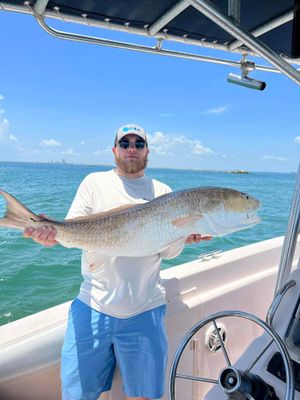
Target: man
<point>118,317</point>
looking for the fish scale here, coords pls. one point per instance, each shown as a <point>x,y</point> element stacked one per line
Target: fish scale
<point>147,228</point>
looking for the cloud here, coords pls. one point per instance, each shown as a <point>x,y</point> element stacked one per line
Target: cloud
<point>217,110</point>
<point>160,150</point>
<point>165,144</point>
<point>103,152</point>
<point>70,152</point>
<point>297,139</point>
<point>27,151</point>
<point>273,158</point>
<point>5,136</point>
<point>12,138</point>
<point>158,137</point>
<point>198,148</point>
<point>50,143</point>
<point>4,129</point>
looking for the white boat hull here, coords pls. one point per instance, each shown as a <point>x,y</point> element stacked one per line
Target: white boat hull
<point>240,279</point>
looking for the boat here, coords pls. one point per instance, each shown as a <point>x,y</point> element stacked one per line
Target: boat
<point>233,317</point>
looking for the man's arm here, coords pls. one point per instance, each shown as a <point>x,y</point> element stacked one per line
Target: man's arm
<point>82,205</point>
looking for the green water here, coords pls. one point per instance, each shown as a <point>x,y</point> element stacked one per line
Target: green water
<point>33,278</point>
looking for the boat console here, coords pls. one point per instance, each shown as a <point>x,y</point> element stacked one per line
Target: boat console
<point>269,367</point>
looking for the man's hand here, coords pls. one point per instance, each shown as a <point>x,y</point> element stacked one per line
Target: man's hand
<point>196,238</point>
<point>44,235</point>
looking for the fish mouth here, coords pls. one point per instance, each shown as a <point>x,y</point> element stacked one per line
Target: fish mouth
<point>253,217</point>
<point>249,219</point>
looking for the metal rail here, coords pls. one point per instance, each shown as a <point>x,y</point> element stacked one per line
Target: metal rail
<point>274,23</point>
<point>168,16</point>
<point>40,6</point>
<point>290,240</point>
<point>84,19</point>
<point>208,9</point>
<point>234,10</point>
<point>141,48</point>
<point>277,300</point>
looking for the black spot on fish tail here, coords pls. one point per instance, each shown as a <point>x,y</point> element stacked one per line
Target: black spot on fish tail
<point>17,215</point>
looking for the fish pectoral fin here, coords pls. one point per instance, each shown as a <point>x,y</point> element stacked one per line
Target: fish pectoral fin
<point>184,222</point>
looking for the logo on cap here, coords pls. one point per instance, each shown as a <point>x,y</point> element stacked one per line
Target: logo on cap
<point>131,128</point>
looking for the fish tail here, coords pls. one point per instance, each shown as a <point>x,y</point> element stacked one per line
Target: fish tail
<point>17,216</point>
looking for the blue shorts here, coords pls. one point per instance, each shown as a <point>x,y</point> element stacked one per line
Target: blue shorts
<point>96,342</point>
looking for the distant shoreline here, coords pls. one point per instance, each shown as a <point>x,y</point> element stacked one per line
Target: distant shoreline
<point>227,171</point>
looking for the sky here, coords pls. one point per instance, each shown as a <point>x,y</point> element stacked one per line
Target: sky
<point>63,100</point>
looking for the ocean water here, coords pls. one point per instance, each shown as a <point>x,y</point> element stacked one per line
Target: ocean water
<point>33,278</point>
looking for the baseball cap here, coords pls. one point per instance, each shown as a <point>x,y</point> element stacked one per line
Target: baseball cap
<point>133,129</point>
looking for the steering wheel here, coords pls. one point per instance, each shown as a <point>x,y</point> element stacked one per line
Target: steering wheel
<point>231,380</point>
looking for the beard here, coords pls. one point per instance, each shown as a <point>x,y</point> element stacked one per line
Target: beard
<point>132,166</point>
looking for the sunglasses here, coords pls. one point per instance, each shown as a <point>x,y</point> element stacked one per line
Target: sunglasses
<point>138,144</point>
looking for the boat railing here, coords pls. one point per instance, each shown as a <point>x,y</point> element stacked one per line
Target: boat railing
<point>290,240</point>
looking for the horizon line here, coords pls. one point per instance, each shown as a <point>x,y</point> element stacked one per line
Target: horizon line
<point>233,171</point>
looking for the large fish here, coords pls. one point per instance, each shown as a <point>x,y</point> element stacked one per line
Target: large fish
<point>148,228</point>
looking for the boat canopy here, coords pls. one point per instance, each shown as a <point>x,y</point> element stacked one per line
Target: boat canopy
<point>268,29</point>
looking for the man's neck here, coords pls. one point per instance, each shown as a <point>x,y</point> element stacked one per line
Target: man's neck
<point>124,174</point>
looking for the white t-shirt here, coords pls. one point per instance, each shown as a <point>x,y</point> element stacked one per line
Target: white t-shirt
<point>120,286</point>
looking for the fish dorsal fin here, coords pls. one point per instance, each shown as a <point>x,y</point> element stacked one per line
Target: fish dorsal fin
<point>102,213</point>
<point>184,222</point>
<point>121,208</point>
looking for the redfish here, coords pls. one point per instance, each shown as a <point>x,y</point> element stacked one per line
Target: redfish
<point>148,228</point>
